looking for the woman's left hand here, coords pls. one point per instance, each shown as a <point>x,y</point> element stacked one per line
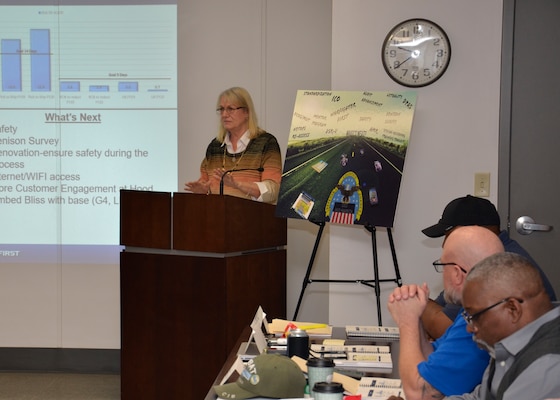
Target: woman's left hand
<point>221,173</point>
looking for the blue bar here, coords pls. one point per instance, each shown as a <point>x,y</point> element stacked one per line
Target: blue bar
<point>11,65</point>
<point>128,86</point>
<point>70,86</point>
<point>40,60</point>
<point>98,88</point>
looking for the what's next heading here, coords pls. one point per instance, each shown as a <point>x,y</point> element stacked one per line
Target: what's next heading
<point>73,118</point>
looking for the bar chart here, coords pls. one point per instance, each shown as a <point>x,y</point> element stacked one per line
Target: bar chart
<point>83,57</point>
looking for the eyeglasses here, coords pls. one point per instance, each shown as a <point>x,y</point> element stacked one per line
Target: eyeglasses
<point>471,318</point>
<point>438,265</point>
<point>227,110</point>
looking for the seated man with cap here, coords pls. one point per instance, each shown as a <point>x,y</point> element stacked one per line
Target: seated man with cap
<point>466,211</point>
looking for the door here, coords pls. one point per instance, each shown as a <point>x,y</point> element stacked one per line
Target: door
<point>530,127</point>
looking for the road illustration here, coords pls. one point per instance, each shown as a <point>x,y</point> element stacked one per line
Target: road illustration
<point>352,177</point>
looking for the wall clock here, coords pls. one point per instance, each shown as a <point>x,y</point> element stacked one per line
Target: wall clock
<point>416,52</point>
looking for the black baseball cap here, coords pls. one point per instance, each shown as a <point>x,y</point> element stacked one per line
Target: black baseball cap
<point>464,211</point>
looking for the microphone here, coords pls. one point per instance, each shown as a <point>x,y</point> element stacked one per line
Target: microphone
<point>260,169</point>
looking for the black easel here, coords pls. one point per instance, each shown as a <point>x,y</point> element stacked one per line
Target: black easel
<point>376,281</point>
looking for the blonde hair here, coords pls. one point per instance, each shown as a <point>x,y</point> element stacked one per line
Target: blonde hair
<point>242,98</point>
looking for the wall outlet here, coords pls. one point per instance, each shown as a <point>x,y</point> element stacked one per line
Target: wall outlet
<point>482,184</point>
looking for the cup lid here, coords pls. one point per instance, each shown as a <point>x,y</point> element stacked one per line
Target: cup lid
<point>328,387</point>
<point>320,362</point>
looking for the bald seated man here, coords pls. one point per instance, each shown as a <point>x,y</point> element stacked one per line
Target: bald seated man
<point>509,312</point>
<point>453,364</point>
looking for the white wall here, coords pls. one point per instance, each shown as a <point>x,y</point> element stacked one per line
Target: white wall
<point>454,135</point>
<point>274,48</point>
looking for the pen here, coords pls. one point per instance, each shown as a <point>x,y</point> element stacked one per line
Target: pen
<point>313,326</point>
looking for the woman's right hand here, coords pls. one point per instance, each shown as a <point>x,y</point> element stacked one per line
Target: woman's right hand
<point>201,187</point>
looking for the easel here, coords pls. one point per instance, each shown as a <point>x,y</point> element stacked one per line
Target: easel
<point>376,281</point>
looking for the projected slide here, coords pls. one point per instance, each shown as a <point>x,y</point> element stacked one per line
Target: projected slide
<point>88,105</point>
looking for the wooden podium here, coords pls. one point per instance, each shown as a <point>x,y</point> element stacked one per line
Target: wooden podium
<point>194,270</point>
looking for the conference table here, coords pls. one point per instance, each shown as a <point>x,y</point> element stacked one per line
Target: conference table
<point>337,333</point>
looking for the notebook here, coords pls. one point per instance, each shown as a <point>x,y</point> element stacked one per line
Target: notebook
<point>381,332</point>
<point>372,388</point>
<point>341,351</point>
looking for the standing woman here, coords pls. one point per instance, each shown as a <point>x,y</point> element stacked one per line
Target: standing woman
<point>244,155</point>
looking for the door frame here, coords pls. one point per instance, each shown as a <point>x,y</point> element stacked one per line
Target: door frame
<point>504,136</point>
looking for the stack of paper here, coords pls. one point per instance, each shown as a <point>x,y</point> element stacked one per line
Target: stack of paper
<point>365,360</point>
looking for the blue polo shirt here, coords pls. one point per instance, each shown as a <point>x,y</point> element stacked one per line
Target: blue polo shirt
<point>457,364</point>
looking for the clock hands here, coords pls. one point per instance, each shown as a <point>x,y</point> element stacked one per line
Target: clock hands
<point>399,65</point>
<point>413,54</point>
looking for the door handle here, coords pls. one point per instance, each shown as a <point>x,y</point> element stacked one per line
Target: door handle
<point>526,225</point>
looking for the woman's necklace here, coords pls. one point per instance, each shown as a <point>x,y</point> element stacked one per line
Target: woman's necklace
<point>233,158</point>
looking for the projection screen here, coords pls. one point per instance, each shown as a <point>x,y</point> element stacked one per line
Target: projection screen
<point>88,105</point>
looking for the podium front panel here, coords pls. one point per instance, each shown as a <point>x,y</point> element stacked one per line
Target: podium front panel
<point>181,316</point>
<point>225,224</point>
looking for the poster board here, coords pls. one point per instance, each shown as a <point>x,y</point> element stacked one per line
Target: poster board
<point>345,156</point>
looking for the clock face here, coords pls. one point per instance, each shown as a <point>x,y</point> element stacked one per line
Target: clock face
<point>416,52</point>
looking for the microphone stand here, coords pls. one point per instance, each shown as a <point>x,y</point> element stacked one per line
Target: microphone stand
<point>260,169</point>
